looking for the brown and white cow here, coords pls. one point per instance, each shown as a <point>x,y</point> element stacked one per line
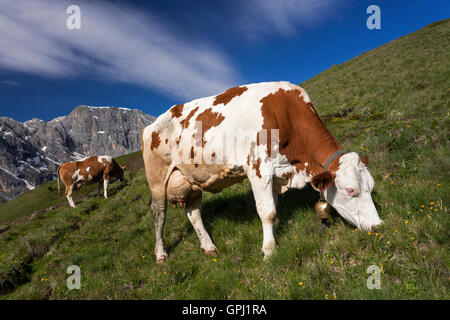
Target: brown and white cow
<point>97,169</point>
<point>268,132</point>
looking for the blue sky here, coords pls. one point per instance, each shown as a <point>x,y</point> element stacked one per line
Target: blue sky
<point>150,55</point>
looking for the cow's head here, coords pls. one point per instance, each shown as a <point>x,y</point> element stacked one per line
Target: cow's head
<point>348,191</point>
<point>121,169</point>
<point>118,171</point>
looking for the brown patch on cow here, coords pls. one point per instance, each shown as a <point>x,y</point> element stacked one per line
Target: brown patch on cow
<point>213,155</point>
<point>167,140</point>
<point>302,135</point>
<point>256,167</point>
<point>321,181</point>
<point>185,123</point>
<point>192,153</point>
<point>177,110</point>
<point>156,141</point>
<point>299,166</point>
<point>287,175</point>
<point>228,95</point>
<point>209,119</point>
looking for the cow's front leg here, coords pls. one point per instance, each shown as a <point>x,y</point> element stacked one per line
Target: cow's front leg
<point>265,205</point>
<point>99,188</point>
<point>105,187</point>
<point>194,216</point>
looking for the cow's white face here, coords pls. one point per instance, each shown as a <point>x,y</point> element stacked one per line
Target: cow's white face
<point>350,193</point>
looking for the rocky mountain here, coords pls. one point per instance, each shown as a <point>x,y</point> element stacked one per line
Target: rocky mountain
<point>31,151</point>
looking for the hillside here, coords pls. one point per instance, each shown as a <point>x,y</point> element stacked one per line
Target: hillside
<point>390,103</point>
<point>32,150</point>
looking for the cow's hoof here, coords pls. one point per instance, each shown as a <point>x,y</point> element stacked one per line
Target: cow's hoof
<point>211,252</point>
<point>267,253</point>
<point>161,259</point>
<point>267,257</point>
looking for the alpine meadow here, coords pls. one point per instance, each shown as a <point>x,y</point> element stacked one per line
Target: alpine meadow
<point>391,103</point>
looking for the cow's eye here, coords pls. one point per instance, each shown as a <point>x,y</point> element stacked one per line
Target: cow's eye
<point>350,191</point>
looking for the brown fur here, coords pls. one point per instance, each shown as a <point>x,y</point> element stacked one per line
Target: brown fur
<point>256,167</point>
<point>185,123</point>
<point>209,119</point>
<point>303,136</point>
<point>156,141</point>
<point>321,181</point>
<point>287,175</point>
<point>177,110</point>
<point>228,95</point>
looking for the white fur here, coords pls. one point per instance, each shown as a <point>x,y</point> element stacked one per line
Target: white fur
<point>358,209</point>
<point>76,175</point>
<point>105,187</point>
<point>107,158</point>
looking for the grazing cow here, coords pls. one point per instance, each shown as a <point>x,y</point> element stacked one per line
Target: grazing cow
<point>267,132</point>
<point>94,169</point>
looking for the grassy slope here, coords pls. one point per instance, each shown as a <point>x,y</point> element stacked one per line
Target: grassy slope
<point>399,93</point>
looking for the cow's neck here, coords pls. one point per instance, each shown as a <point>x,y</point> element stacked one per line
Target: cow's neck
<point>303,138</point>
<point>316,146</point>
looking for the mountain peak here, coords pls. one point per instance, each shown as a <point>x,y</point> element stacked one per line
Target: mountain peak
<point>35,148</point>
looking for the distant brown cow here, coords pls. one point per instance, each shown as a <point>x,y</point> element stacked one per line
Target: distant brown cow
<point>90,170</point>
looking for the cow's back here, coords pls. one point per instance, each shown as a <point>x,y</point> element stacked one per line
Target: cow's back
<point>219,114</point>
<point>176,136</point>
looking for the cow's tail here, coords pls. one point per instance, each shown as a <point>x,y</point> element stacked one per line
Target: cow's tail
<point>57,178</point>
<point>166,178</point>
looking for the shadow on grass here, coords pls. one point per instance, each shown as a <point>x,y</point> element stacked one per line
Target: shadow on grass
<point>241,207</point>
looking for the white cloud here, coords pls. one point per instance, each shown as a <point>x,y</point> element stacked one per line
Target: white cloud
<point>115,43</point>
<point>263,17</point>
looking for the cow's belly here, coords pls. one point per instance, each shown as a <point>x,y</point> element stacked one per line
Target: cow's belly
<point>187,180</point>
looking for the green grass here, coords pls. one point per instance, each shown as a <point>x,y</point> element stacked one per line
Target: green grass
<point>400,118</point>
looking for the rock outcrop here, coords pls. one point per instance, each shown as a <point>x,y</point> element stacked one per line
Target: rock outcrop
<point>31,151</point>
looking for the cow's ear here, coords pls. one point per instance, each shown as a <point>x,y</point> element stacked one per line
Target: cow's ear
<point>321,181</point>
<point>365,160</point>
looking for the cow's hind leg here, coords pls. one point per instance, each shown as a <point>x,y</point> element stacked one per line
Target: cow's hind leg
<point>265,205</point>
<point>194,216</point>
<point>158,207</point>
<point>69,190</point>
